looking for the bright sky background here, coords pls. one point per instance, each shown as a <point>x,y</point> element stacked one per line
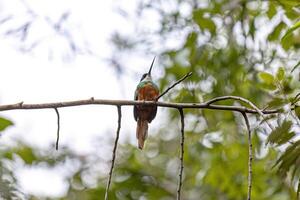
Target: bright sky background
<point>32,78</point>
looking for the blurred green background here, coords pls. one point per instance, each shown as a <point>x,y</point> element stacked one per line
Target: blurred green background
<point>233,47</point>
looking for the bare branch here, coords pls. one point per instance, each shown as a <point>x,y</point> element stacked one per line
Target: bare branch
<point>181,154</point>
<point>58,128</point>
<point>296,99</point>
<point>91,101</point>
<point>114,152</point>
<point>21,31</point>
<point>295,67</point>
<point>261,113</point>
<point>5,19</point>
<point>295,117</point>
<point>250,156</point>
<point>60,27</point>
<point>176,83</point>
<point>179,106</point>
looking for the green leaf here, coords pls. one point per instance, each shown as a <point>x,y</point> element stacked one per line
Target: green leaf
<point>289,3</point>
<point>191,39</point>
<point>289,158</point>
<point>272,10</point>
<point>280,74</point>
<point>276,102</point>
<point>207,23</point>
<point>270,87</point>
<point>4,123</point>
<point>26,154</point>
<point>266,77</point>
<point>281,134</point>
<point>274,36</point>
<point>203,22</point>
<point>287,88</point>
<point>297,111</point>
<point>290,30</point>
<point>252,28</point>
<point>287,42</point>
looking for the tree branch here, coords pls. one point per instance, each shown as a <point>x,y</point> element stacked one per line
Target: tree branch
<point>92,101</point>
<point>58,128</point>
<point>250,156</point>
<point>181,154</point>
<point>173,85</point>
<point>261,113</point>
<point>180,106</point>
<point>296,99</point>
<point>114,152</point>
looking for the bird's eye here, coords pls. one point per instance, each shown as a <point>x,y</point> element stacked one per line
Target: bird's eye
<point>144,76</point>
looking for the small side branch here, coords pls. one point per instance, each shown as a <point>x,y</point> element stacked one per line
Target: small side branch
<point>114,152</point>
<point>174,84</point>
<point>296,99</point>
<point>58,128</point>
<point>261,113</point>
<point>181,154</point>
<point>250,156</point>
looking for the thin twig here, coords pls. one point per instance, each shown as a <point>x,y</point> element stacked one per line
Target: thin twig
<point>114,152</point>
<point>181,154</point>
<point>173,85</point>
<point>250,156</point>
<point>58,128</point>
<point>261,113</point>
<point>205,105</point>
<point>296,99</point>
<point>295,117</point>
<point>295,67</point>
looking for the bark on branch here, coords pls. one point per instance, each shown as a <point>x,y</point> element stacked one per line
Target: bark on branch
<point>58,128</point>
<point>114,153</point>
<point>181,154</point>
<point>92,101</point>
<point>180,106</point>
<point>250,156</point>
<point>245,101</point>
<point>173,85</point>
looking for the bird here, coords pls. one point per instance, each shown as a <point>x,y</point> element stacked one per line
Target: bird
<point>146,90</point>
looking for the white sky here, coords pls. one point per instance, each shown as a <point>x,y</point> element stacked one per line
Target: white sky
<point>32,78</point>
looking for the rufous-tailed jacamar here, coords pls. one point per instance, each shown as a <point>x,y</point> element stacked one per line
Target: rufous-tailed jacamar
<point>146,90</point>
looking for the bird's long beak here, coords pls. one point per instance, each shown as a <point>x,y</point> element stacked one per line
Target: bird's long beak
<point>149,73</point>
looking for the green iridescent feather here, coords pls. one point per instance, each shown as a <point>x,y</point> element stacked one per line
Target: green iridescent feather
<point>141,85</point>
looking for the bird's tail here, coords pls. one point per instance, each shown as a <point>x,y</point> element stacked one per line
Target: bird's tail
<point>141,132</point>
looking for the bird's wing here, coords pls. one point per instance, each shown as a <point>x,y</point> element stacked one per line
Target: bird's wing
<point>152,114</point>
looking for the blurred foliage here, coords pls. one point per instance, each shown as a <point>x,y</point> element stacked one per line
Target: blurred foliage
<point>243,48</point>
<point>8,189</point>
<point>4,123</point>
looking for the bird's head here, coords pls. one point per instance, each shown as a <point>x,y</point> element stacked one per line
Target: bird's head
<point>147,76</point>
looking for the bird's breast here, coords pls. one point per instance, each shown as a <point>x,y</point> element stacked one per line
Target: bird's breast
<point>147,93</point>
